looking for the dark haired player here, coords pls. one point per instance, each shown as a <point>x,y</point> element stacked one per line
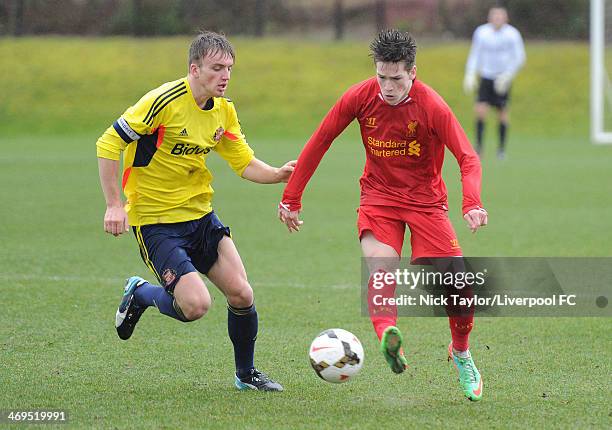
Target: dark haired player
<point>165,139</point>
<point>405,128</point>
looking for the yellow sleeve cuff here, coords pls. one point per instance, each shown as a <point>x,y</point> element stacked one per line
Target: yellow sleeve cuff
<point>240,171</point>
<point>110,145</point>
<point>107,153</point>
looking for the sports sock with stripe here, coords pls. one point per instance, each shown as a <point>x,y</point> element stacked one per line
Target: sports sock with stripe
<point>242,326</point>
<point>153,295</point>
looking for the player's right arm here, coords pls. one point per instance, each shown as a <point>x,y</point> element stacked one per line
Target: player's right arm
<point>471,67</point>
<point>128,128</point>
<point>115,217</point>
<point>518,51</point>
<point>336,120</point>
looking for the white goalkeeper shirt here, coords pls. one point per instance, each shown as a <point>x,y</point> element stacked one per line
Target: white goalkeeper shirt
<point>494,52</point>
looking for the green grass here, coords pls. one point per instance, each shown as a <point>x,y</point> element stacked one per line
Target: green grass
<point>61,275</point>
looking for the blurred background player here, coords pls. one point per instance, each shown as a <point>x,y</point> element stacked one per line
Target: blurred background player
<point>405,127</point>
<point>165,139</point>
<point>496,55</point>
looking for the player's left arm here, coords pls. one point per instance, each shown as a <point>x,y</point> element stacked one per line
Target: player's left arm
<point>452,134</point>
<point>259,172</point>
<point>503,81</point>
<point>471,66</point>
<point>234,148</point>
<point>519,53</point>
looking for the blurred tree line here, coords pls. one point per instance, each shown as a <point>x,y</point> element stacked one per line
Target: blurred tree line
<point>542,19</point>
<point>536,19</point>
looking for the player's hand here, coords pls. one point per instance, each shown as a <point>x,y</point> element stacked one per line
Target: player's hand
<point>476,218</point>
<point>469,83</point>
<point>116,220</point>
<point>502,83</point>
<point>284,172</point>
<point>290,218</point>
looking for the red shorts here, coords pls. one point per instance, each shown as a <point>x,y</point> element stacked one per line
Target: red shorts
<point>431,233</point>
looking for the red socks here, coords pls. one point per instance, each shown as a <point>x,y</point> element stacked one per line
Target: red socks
<point>461,326</point>
<point>381,313</point>
<point>461,321</point>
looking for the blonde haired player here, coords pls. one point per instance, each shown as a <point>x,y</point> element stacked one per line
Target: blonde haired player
<point>165,139</point>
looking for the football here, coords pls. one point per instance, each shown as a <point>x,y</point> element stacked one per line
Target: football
<point>336,355</point>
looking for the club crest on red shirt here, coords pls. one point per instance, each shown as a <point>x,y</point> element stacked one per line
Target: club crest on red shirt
<point>412,128</point>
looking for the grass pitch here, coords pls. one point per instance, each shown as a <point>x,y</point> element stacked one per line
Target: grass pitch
<point>61,276</point>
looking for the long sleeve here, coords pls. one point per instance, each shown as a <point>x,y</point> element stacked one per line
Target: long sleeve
<point>451,133</point>
<point>473,58</point>
<point>336,120</point>
<point>518,57</point>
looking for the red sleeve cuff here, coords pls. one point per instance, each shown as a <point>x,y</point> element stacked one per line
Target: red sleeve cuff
<point>290,206</point>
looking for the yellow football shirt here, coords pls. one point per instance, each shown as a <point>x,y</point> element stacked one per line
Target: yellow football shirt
<point>165,139</point>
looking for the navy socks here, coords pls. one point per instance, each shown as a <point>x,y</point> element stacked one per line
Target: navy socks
<point>503,129</point>
<point>479,133</point>
<point>152,295</point>
<point>242,329</point>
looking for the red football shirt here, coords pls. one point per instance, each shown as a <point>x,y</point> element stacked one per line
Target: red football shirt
<point>404,147</point>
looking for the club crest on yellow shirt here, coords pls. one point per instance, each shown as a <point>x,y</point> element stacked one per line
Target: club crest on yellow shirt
<point>218,134</point>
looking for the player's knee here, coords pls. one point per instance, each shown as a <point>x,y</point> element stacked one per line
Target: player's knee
<point>195,312</point>
<point>481,111</point>
<point>196,308</point>
<point>241,297</point>
<point>380,261</point>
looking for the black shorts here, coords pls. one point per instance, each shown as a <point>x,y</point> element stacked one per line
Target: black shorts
<point>173,250</point>
<point>487,94</point>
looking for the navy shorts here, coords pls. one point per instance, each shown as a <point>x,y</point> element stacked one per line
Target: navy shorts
<point>487,94</point>
<point>173,250</point>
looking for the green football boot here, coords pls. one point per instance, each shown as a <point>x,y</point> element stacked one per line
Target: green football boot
<point>391,347</point>
<point>469,376</point>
